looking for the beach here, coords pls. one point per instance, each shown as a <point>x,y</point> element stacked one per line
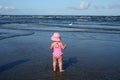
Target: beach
<point>25,55</point>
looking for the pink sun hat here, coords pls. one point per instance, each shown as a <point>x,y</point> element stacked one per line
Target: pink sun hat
<point>56,37</point>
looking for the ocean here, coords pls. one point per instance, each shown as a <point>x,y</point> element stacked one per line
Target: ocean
<point>102,24</point>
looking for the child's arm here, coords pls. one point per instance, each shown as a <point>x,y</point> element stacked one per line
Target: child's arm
<point>51,47</point>
<point>63,46</point>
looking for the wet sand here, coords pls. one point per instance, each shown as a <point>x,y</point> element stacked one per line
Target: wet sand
<point>88,56</point>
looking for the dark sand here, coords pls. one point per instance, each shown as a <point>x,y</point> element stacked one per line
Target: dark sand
<point>88,56</point>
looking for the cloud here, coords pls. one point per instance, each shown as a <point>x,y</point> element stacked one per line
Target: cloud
<point>82,6</point>
<point>1,7</point>
<point>108,6</point>
<point>114,5</point>
<point>99,7</point>
<point>7,8</point>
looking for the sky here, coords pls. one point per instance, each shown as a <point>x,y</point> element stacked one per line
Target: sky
<point>60,7</point>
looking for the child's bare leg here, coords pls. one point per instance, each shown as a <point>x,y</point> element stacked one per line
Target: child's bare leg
<point>60,64</point>
<point>54,64</point>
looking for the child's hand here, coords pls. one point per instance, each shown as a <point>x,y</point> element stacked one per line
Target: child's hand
<point>64,45</point>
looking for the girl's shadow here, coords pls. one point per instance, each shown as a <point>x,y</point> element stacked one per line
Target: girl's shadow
<point>69,62</point>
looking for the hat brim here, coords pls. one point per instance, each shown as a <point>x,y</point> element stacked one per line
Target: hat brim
<point>55,38</point>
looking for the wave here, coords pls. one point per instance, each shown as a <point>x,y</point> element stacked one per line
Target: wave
<point>7,33</point>
<point>56,19</point>
<point>45,27</point>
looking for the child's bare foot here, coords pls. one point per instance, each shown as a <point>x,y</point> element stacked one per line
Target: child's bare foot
<point>54,70</point>
<point>61,70</point>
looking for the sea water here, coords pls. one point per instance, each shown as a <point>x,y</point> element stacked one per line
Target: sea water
<point>27,24</point>
<point>93,56</point>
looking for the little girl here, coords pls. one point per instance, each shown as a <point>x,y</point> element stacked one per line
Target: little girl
<point>57,46</point>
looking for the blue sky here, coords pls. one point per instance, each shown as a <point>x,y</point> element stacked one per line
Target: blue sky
<point>60,7</point>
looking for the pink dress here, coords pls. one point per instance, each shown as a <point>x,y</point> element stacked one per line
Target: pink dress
<point>57,51</point>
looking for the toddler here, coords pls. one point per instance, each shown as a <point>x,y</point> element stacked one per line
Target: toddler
<point>57,46</point>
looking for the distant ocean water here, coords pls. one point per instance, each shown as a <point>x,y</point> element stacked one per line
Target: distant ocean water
<point>88,23</point>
